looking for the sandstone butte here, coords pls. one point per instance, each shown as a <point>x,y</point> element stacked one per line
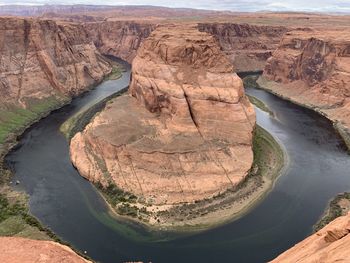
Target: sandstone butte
<point>330,244</point>
<point>22,250</point>
<point>312,67</point>
<point>184,131</point>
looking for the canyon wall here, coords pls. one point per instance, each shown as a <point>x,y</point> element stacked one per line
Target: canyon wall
<point>41,58</point>
<point>330,244</point>
<point>22,250</point>
<point>312,68</point>
<point>184,131</point>
<point>247,46</point>
<point>43,64</point>
<point>119,38</point>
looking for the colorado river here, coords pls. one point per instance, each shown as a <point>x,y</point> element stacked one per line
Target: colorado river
<point>62,200</point>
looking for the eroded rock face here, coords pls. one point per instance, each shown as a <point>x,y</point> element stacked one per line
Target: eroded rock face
<point>247,46</point>
<point>183,133</point>
<point>312,67</point>
<point>330,244</point>
<point>41,59</point>
<point>119,38</point>
<point>23,250</point>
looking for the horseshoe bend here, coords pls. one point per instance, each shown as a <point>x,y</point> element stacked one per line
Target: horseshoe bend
<point>155,134</point>
<point>182,134</point>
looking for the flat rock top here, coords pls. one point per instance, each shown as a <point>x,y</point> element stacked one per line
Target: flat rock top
<point>183,45</point>
<point>22,250</point>
<point>328,35</point>
<point>126,122</point>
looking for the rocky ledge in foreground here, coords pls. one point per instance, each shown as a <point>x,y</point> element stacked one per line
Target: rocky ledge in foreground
<point>22,250</point>
<point>312,68</point>
<point>182,134</point>
<point>330,244</point>
<point>43,58</point>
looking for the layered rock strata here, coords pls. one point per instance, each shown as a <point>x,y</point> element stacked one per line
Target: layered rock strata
<point>247,46</point>
<point>22,250</point>
<point>312,68</point>
<point>184,131</point>
<point>330,244</point>
<point>119,38</point>
<point>40,58</point>
<point>42,65</point>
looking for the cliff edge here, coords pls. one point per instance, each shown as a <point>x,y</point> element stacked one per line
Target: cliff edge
<point>22,250</point>
<point>311,67</point>
<point>330,244</point>
<point>43,65</point>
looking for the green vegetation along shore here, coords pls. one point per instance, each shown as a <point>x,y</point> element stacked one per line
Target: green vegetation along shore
<point>15,120</point>
<point>339,206</point>
<point>117,70</point>
<point>15,219</point>
<point>269,161</point>
<point>250,82</point>
<point>261,105</point>
<point>78,121</point>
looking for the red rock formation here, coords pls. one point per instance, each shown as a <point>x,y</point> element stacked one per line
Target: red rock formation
<point>312,68</point>
<point>22,250</point>
<point>40,58</point>
<point>43,64</point>
<point>119,38</point>
<point>330,244</point>
<point>185,134</point>
<point>247,46</point>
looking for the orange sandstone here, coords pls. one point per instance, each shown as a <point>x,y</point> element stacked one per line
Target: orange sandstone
<point>183,133</point>
<point>330,244</point>
<point>22,250</point>
<point>312,67</point>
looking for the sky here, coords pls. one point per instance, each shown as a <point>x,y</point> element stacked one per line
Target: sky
<point>232,5</point>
